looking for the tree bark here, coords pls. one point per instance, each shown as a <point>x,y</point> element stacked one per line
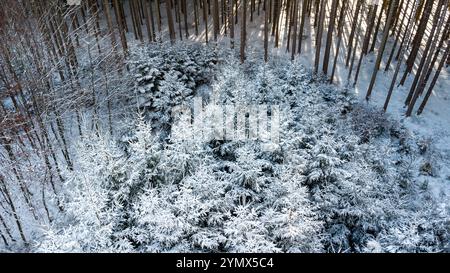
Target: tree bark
<point>382,46</point>
<point>326,58</point>
<point>243,29</point>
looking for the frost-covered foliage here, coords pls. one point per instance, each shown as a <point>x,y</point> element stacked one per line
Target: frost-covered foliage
<point>344,178</point>
<point>167,76</point>
<point>151,197</point>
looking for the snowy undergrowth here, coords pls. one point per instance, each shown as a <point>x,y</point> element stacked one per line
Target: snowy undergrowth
<point>344,178</point>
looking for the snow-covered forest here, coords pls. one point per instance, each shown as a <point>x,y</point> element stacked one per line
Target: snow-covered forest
<point>224,126</point>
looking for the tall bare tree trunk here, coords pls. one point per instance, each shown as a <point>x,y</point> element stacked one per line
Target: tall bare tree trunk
<point>417,39</point>
<point>382,46</point>
<point>119,20</point>
<point>294,37</point>
<point>205,19</point>
<point>353,32</point>
<point>266,32</point>
<point>231,22</point>
<point>419,84</point>
<point>319,36</point>
<point>110,25</point>
<point>397,37</point>
<point>216,19</point>
<point>326,58</point>
<point>302,25</point>
<point>407,37</point>
<point>10,203</point>
<point>148,21</point>
<point>425,54</point>
<point>445,57</point>
<point>185,17</point>
<point>243,29</point>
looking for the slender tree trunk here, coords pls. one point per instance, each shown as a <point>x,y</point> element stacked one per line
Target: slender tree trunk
<point>152,21</point>
<point>170,21</point>
<point>27,195</point>
<point>148,20</point>
<point>266,32</point>
<point>371,20</point>
<point>435,78</point>
<point>403,48</point>
<point>158,14</point>
<point>382,46</point>
<point>417,39</point>
<point>7,230</point>
<point>339,37</point>
<point>123,38</point>
<point>316,12</point>
<point>319,36</point>
<point>110,25</point>
<point>425,55</point>
<point>10,202</point>
<point>205,19</point>
<point>420,83</point>
<point>289,24</point>
<point>216,19</point>
<point>178,17</point>
<point>230,22</point>
<point>196,21</point>
<point>353,32</point>
<point>243,29</point>
<point>377,28</point>
<point>444,36</point>
<point>185,17</point>
<point>302,25</point>
<point>294,38</point>
<point>355,46</point>
<point>397,38</point>
<point>326,58</point>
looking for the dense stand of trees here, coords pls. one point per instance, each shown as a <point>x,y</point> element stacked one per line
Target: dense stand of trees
<point>370,24</point>
<point>58,60</point>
